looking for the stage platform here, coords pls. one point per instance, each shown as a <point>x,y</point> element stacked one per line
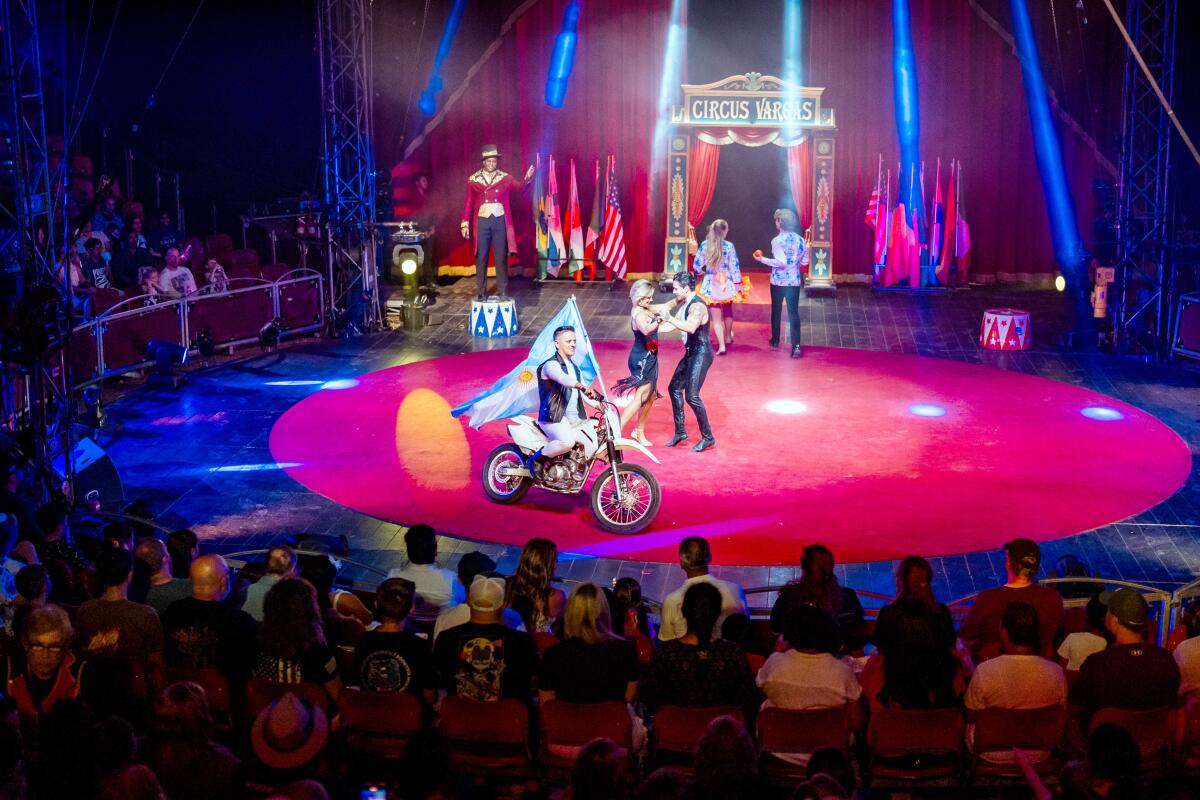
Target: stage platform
<point>858,468</point>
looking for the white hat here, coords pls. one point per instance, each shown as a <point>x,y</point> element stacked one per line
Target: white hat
<point>486,594</point>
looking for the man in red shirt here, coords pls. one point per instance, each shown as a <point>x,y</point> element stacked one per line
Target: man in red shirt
<point>981,629</point>
<point>487,205</point>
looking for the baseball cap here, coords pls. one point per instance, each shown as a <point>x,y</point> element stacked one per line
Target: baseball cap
<point>1127,605</point>
<point>486,594</point>
<point>472,564</point>
<point>1024,553</point>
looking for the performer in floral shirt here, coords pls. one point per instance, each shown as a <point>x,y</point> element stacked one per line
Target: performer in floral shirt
<point>789,254</point>
<point>722,284</point>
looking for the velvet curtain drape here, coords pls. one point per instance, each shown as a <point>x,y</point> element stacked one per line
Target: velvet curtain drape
<point>799,161</point>
<point>702,180</point>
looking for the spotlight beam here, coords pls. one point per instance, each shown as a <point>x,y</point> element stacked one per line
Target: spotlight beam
<point>428,101</point>
<point>904,92</point>
<point>562,60</point>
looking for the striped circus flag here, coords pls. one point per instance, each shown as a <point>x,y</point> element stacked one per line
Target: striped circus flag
<point>612,240</point>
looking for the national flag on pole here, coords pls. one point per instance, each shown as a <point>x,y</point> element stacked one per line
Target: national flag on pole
<point>517,391</point>
<point>897,248</point>
<point>612,240</point>
<point>962,235</point>
<point>936,217</point>
<point>556,252</point>
<point>541,234</point>
<point>872,217</point>
<point>573,226</point>
<point>881,223</point>
<point>950,221</point>
<point>596,224</point>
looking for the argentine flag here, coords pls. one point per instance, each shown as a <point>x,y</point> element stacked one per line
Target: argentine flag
<point>517,392</point>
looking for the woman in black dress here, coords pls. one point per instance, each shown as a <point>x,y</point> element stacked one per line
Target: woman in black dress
<point>642,382</point>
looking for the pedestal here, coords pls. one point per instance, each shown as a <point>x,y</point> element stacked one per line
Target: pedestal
<point>1005,329</point>
<point>494,318</point>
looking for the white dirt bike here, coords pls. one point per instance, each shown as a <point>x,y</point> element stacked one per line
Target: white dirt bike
<point>625,496</point>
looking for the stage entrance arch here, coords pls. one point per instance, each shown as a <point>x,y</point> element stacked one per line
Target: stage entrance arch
<point>752,110</point>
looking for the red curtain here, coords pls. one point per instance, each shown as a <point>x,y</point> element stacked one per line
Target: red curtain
<point>702,179</point>
<point>610,108</point>
<point>799,161</point>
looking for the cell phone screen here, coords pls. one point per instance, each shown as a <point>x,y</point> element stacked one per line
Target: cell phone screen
<point>374,793</point>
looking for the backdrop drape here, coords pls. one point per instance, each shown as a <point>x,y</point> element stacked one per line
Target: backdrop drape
<point>799,161</point>
<point>702,179</point>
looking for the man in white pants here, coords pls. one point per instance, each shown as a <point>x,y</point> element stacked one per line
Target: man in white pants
<point>562,395</point>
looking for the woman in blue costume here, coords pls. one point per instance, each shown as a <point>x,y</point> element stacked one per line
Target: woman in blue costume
<point>642,383</point>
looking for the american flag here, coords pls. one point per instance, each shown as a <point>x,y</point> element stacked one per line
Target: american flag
<point>612,239</point>
<point>872,218</point>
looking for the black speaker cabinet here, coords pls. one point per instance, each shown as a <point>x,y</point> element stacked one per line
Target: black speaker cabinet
<point>94,472</point>
<point>1185,339</point>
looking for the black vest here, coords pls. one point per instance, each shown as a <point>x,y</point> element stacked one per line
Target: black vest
<point>552,395</point>
<point>698,340</point>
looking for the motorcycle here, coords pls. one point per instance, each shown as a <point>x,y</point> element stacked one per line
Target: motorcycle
<point>625,497</point>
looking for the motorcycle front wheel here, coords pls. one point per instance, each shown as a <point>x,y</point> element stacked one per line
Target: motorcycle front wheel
<point>640,498</point>
<point>502,488</point>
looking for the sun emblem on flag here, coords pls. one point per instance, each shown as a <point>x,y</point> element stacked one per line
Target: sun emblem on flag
<point>525,377</point>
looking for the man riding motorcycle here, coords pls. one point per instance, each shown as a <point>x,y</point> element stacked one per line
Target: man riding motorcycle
<point>561,398</point>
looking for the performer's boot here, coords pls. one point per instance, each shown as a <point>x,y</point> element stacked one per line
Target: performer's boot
<point>797,352</point>
<point>704,443</point>
<point>678,438</point>
<point>529,462</point>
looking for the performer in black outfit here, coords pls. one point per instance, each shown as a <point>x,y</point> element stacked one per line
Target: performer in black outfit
<point>692,319</point>
<point>644,319</point>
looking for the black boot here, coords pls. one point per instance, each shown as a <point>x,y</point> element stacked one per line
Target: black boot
<point>704,443</point>
<point>678,438</point>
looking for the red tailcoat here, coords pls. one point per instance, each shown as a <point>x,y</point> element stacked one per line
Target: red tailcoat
<point>478,193</point>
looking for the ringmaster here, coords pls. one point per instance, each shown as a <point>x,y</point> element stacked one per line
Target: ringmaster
<point>487,205</point>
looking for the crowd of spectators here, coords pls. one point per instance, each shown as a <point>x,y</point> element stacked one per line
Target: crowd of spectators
<point>113,638</point>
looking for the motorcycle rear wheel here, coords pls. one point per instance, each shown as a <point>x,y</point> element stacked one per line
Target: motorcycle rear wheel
<point>501,489</point>
<point>639,502</point>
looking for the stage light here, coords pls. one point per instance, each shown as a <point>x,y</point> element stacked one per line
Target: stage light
<point>908,115</point>
<point>340,383</point>
<point>787,407</point>
<point>268,335</point>
<point>428,101</point>
<point>409,265</point>
<point>166,356</point>
<point>562,60</point>
<point>255,467</point>
<point>1060,283</point>
<point>294,383</point>
<point>926,410</point>
<point>1102,413</point>
<point>206,344</point>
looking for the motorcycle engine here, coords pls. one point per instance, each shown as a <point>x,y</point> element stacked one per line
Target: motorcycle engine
<point>557,474</point>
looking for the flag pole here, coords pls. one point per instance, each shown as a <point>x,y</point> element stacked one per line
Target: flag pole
<point>591,349</point>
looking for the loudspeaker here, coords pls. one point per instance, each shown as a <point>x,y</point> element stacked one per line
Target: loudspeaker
<point>1186,338</point>
<point>94,472</point>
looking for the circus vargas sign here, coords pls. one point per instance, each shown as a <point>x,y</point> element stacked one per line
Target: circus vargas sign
<point>751,101</point>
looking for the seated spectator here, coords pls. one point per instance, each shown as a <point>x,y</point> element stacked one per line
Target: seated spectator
<point>818,586</point>
<point>179,748</point>
<point>287,739</point>
<point>914,581</point>
<point>389,658</point>
<point>292,646</point>
<point>340,629</point>
<point>106,216</point>
<point>820,787</point>
<point>281,565</point>
<point>214,276</point>
<point>1187,657</point>
<point>51,672</point>
<point>65,740</point>
<point>695,555</point>
<point>13,501</point>
<point>205,632</point>
<point>694,670</point>
<point>531,592</point>
<point>726,763</point>
<point>175,280</point>
<point>591,664</point>
<point>83,232</point>
<point>148,284</point>
<point>182,547</point>
<point>131,782</point>
<point>164,589</point>
<point>1130,673</point>
<point>436,586</point>
<point>8,566</point>
<point>666,783</point>
<point>165,236</point>
<point>835,764</point>
<point>81,286</point>
<point>631,618</point>
<point>129,259</point>
<point>469,565</point>
<point>33,591</point>
<point>112,625</point>
<point>981,629</point>
<point>95,265</point>
<point>118,535</point>
<point>1018,679</point>
<point>484,659</point>
<point>808,675</point>
<point>602,772</point>
<point>739,629</point>
<point>1076,647</point>
<point>914,667</point>
<point>52,520</point>
<point>135,223</point>
<point>1112,768</point>
<point>1069,566</point>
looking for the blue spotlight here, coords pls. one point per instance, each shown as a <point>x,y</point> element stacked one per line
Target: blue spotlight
<point>340,383</point>
<point>563,57</point>
<point>908,114</point>
<point>926,410</point>
<point>1102,413</point>
<point>428,101</point>
<point>1067,246</point>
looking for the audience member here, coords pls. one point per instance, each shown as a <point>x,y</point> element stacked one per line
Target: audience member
<point>65,766</point>
<point>665,783</point>
<point>175,280</point>
<point>818,586</point>
<point>281,565</point>
<point>469,565</point>
<point>118,535</point>
<point>1130,673</point>
<point>164,236</point>
<point>915,667</point>
<point>484,659</point>
<point>695,670</point>
<point>292,646</point>
<point>52,520</point>
<point>340,629</point>
<point>820,787</point>
<point>981,629</point>
<point>12,501</point>
<point>33,591</point>
<point>135,223</point>
<point>287,739</point>
<point>179,747</point>
<point>914,581</point>
<point>1076,647</point>
<point>695,555</point>
<point>182,546</point>
<point>531,592</point>
<point>591,664</point>
<point>426,764</point>
<point>132,782</point>
<point>630,616</point>
<point>389,658</point>
<point>149,284</point>
<point>836,764</point>
<point>739,629</point>
<point>8,566</point>
<point>1069,566</point>
<point>215,277</point>
<point>726,763</point>
<point>1020,678</point>
<point>95,265</point>
<point>106,216</point>
<point>602,771</point>
<point>1187,657</point>
<point>112,625</point>
<point>437,588</point>
<point>1112,768</point>
<point>342,601</point>
<point>51,672</point>
<point>164,589</point>
<point>129,259</point>
<point>203,631</point>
